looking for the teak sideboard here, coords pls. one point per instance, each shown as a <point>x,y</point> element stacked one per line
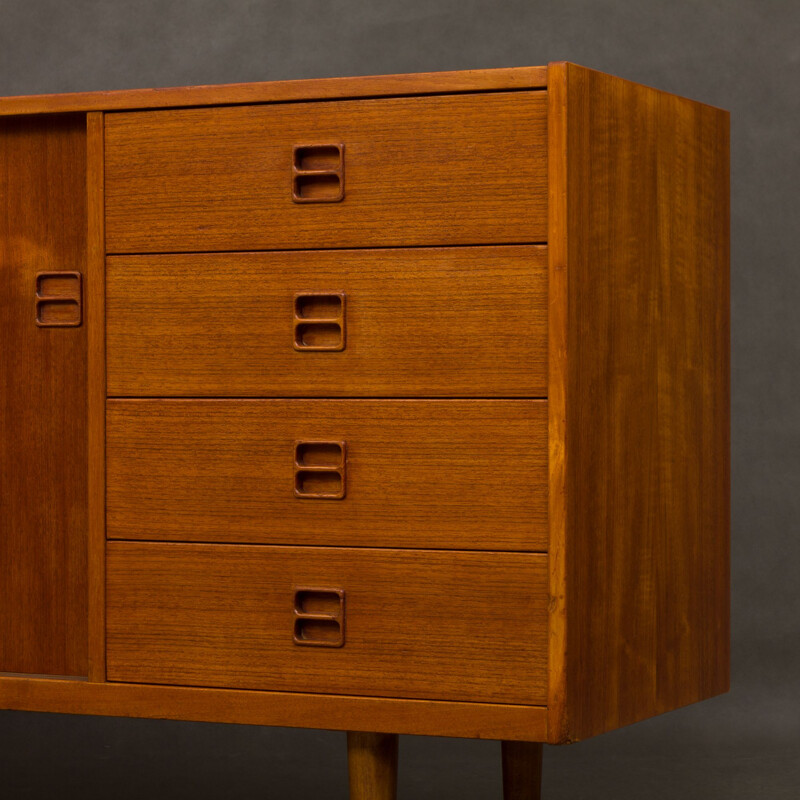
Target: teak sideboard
<point>387,405</point>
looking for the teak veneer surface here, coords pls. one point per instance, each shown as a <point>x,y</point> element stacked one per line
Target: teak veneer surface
<point>96,394</point>
<point>458,321</point>
<point>461,169</point>
<point>471,80</point>
<point>282,709</point>
<point>578,501</point>
<point>639,402</point>
<point>417,624</point>
<point>43,458</point>
<point>465,474</point>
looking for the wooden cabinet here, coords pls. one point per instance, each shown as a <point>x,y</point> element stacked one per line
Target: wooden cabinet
<point>387,405</point>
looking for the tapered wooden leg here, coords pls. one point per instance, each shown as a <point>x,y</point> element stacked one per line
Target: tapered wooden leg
<point>372,763</point>
<point>522,770</point>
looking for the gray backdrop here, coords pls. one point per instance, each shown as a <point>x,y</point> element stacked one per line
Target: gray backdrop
<point>743,55</point>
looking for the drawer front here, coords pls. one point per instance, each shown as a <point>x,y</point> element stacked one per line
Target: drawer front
<point>466,474</point>
<point>420,322</point>
<point>462,169</point>
<point>387,623</point>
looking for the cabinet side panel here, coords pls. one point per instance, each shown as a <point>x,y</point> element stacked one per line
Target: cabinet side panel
<point>647,410</point>
<point>557,310</point>
<point>43,458</point>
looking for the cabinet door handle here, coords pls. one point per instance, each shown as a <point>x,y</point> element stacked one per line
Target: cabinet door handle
<point>318,617</point>
<point>58,300</point>
<point>319,321</point>
<point>320,470</point>
<point>318,173</point>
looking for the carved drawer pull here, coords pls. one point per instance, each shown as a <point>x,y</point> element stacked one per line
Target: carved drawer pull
<point>318,173</point>
<point>59,302</point>
<point>318,617</point>
<point>319,470</point>
<point>319,321</point>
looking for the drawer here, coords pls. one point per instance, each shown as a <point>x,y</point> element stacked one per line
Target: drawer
<point>393,322</point>
<point>455,474</point>
<point>386,623</point>
<point>460,169</point>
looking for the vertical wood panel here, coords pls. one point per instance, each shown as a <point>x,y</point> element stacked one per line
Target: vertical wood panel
<point>95,322</point>
<point>558,305</point>
<point>644,234</point>
<point>43,458</point>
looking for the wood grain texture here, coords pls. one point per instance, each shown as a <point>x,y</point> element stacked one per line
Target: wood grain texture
<point>372,765</point>
<point>420,322</point>
<point>557,310</point>
<point>419,624</point>
<point>461,169</point>
<point>640,227</point>
<point>43,459</point>
<point>522,770</point>
<point>628,493</point>
<point>473,80</point>
<point>96,396</point>
<point>468,474</point>
<point>282,709</point>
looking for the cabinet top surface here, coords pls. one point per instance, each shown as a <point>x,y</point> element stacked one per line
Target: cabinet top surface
<point>477,80</point>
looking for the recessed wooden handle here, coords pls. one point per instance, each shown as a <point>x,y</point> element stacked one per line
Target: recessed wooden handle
<point>319,321</point>
<point>58,300</point>
<point>318,617</point>
<point>319,470</point>
<point>318,173</point>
